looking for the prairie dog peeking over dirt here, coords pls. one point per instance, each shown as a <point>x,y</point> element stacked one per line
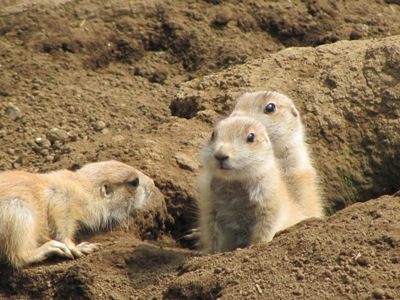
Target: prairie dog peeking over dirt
<point>40,213</point>
<point>282,122</point>
<point>243,199</point>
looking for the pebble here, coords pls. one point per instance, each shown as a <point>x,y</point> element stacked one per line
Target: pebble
<point>10,151</point>
<point>99,125</point>
<point>49,158</point>
<point>159,76</point>
<point>222,18</point>
<point>23,160</point>
<point>12,110</point>
<point>378,293</point>
<point>43,142</point>
<point>56,134</point>
<point>185,162</point>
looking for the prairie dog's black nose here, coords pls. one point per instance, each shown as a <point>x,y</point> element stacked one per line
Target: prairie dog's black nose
<point>221,156</point>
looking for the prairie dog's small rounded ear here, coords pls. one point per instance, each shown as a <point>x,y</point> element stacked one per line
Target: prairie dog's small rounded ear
<point>294,111</point>
<point>105,190</point>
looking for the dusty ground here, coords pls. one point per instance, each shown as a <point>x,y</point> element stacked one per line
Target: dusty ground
<point>143,81</point>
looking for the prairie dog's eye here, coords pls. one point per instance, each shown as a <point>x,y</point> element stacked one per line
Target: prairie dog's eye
<point>250,137</point>
<point>134,182</point>
<point>270,108</point>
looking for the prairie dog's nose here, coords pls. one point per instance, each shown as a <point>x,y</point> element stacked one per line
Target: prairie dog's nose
<point>221,156</point>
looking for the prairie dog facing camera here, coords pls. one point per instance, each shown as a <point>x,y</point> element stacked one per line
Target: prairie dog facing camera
<point>41,213</point>
<point>242,198</point>
<point>282,121</point>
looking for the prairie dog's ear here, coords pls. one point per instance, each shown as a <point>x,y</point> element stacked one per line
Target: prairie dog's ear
<point>105,190</point>
<point>294,111</point>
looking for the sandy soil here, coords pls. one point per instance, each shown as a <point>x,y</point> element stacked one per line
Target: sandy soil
<point>143,82</point>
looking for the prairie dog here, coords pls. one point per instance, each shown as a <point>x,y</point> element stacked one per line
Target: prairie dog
<point>40,213</point>
<point>282,122</point>
<point>243,199</point>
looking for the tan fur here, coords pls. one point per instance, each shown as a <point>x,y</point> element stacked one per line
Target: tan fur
<point>40,213</point>
<point>286,131</point>
<point>243,199</point>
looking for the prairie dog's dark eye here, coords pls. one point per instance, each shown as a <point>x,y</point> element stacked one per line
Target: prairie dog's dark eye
<point>270,108</point>
<point>134,182</point>
<point>250,138</point>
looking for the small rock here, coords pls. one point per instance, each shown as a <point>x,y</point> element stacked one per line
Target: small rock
<point>363,260</point>
<point>159,76</point>
<point>227,270</point>
<point>12,110</point>
<point>356,35</point>
<point>56,134</point>
<point>185,162</point>
<point>222,18</point>
<point>44,152</point>
<point>246,259</point>
<point>378,293</point>
<point>23,160</point>
<point>10,151</point>
<point>56,145</point>
<point>43,142</point>
<point>296,293</point>
<point>389,295</point>
<point>49,158</point>
<point>99,125</point>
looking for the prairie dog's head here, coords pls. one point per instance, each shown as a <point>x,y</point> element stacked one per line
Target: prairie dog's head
<point>124,188</point>
<point>239,149</point>
<point>276,111</point>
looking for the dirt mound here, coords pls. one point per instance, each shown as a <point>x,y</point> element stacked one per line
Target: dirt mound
<point>309,261</point>
<point>84,82</point>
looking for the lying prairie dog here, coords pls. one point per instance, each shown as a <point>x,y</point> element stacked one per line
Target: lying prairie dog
<point>40,213</point>
<point>243,199</point>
